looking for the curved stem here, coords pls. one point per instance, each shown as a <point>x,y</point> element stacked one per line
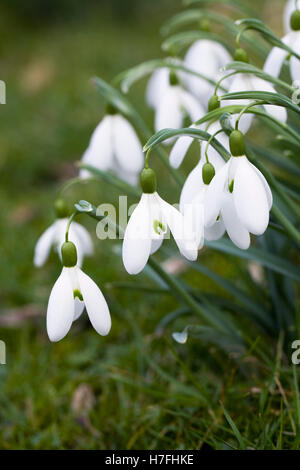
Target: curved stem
<point>72,217</point>
<point>224,78</point>
<point>245,109</point>
<point>209,141</point>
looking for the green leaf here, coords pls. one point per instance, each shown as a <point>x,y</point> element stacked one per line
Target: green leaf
<point>132,75</point>
<point>269,260</point>
<point>234,429</point>
<point>272,98</point>
<point>179,41</point>
<point>243,67</point>
<point>236,4</point>
<point>112,179</point>
<point>189,131</point>
<point>258,25</point>
<point>191,16</point>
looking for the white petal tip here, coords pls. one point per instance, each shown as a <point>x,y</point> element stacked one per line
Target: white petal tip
<point>180,337</point>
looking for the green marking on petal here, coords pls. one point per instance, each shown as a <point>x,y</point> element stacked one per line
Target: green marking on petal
<point>159,227</point>
<point>230,187</point>
<point>78,294</point>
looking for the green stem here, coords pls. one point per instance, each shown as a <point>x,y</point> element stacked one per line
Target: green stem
<point>209,141</point>
<point>72,217</point>
<point>245,109</point>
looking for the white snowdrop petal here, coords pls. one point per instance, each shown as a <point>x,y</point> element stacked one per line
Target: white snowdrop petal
<point>193,185</point>
<point>168,113</point>
<point>277,112</point>
<point>127,147</point>
<point>214,195</point>
<point>238,234</point>
<point>100,151</point>
<point>191,105</point>
<point>266,185</point>
<point>84,237</point>
<point>79,307</point>
<point>157,85</point>
<point>137,239</point>
<point>215,232</point>
<point>181,231</point>
<point>179,150</point>
<point>43,246</point>
<point>180,336</point>
<point>241,82</point>
<point>95,304</point>
<point>275,61</point>
<point>193,213</point>
<point>250,198</point>
<point>61,307</point>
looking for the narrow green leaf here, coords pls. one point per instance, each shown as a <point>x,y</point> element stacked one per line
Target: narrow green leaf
<point>269,260</point>
<point>234,429</point>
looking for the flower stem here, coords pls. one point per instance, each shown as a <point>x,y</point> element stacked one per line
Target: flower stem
<point>209,141</point>
<point>72,217</point>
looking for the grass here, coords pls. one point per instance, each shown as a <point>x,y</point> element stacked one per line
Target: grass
<point>136,388</point>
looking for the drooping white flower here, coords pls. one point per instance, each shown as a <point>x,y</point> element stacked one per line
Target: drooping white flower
<point>147,226</point>
<point>73,291</point>
<point>54,236</point>
<point>157,85</point>
<point>206,57</point>
<point>174,105</point>
<point>194,188</point>
<point>247,82</point>
<point>115,146</point>
<point>239,194</point>
<point>277,56</point>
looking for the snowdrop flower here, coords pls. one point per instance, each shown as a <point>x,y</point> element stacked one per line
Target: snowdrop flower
<point>54,236</point>
<point>73,291</point>
<point>240,194</point>
<point>174,104</point>
<point>114,146</point>
<point>248,82</point>
<point>194,188</point>
<point>206,57</point>
<point>277,56</point>
<point>148,224</point>
<point>157,86</point>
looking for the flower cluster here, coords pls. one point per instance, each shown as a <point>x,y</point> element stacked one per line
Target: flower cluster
<point>225,192</point>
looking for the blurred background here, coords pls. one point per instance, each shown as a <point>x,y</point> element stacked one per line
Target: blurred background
<point>86,391</point>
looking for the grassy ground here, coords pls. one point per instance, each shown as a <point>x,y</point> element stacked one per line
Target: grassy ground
<point>135,388</point>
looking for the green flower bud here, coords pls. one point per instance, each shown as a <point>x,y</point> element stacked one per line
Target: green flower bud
<point>208,172</point>
<point>236,143</point>
<point>69,254</point>
<point>148,181</point>
<point>61,209</point>
<point>295,20</point>
<point>204,25</point>
<point>173,79</point>
<point>111,109</point>
<point>213,103</point>
<point>241,55</point>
